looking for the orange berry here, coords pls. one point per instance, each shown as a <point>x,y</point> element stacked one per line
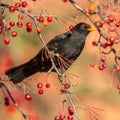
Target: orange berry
<point>45,24</point>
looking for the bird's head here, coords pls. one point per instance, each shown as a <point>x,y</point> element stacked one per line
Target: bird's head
<point>84,28</point>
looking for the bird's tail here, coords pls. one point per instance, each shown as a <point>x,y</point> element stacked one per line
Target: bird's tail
<point>19,73</point>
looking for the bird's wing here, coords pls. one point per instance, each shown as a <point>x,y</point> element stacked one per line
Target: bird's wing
<point>57,39</point>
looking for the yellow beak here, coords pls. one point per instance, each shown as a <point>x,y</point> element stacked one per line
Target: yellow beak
<point>91,29</point>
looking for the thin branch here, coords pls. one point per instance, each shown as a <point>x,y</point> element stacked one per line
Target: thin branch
<point>73,106</point>
<point>13,100</point>
<point>88,16</point>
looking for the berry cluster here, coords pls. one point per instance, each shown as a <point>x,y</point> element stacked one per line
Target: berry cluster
<point>111,21</point>
<point>45,20</point>
<point>29,26</point>
<point>7,27</point>
<point>63,116</point>
<point>40,91</point>
<point>102,65</point>
<point>17,5</point>
<point>40,87</point>
<point>64,87</point>
<point>108,25</point>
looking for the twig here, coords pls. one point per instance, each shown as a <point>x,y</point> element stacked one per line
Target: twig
<point>88,16</point>
<point>13,100</point>
<point>116,56</point>
<point>73,106</point>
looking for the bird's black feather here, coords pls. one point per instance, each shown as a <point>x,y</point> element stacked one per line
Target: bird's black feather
<point>65,48</point>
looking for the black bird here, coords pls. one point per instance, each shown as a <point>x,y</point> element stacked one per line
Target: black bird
<point>59,53</point>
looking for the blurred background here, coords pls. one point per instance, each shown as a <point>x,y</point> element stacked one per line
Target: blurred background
<point>89,85</point>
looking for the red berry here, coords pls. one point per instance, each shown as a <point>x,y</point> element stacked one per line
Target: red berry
<point>24,4</point>
<point>71,112</point>
<point>14,34</point>
<point>7,41</point>
<point>67,85</point>
<point>41,19</point>
<point>28,97</point>
<point>39,85</point>
<point>7,103</point>
<point>94,43</point>
<point>100,23</point>
<point>19,24</point>
<point>7,27</point>
<point>41,91</point>
<point>1,22</point>
<point>112,39</point>
<point>117,24</point>
<point>111,28</point>
<point>57,118</point>
<point>6,99</point>
<point>108,43</point>
<point>29,29</point>
<point>107,21</point>
<point>65,0</point>
<point>118,68</point>
<point>63,90</point>
<point>1,30</point>
<point>29,24</point>
<point>87,10</point>
<point>70,117</point>
<point>12,8</point>
<point>92,65</point>
<point>62,117</point>
<point>47,85</point>
<point>111,18</point>
<point>101,67</point>
<point>17,5</point>
<point>12,23</point>
<point>104,45</point>
<point>29,10</point>
<point>49,19</point>
<point>118,86</point>
<point>116,39</point>
<point>103,58</point>
<point>71,27</point>
<point>70,108</point>
<point>20,16</point>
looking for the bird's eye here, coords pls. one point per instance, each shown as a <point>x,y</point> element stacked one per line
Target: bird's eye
<point>83,26</point>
